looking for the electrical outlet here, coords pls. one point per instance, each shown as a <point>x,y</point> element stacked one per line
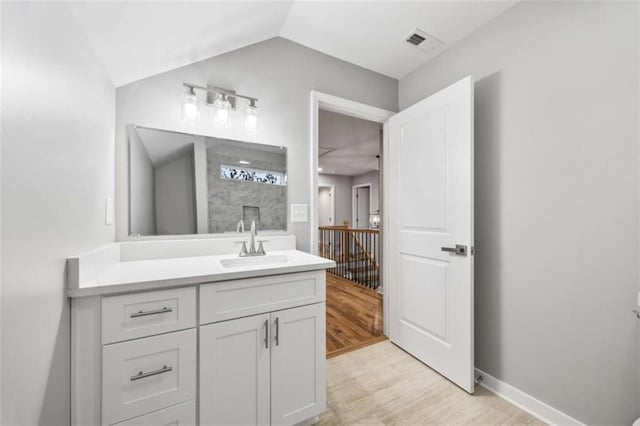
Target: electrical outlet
<point>299,213</point>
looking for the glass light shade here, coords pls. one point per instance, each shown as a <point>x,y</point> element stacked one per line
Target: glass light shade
<point>222,113</point>
<point>251,118</point>
<point>222,118</point>
<point>190,108</point>
<point>221,102</point>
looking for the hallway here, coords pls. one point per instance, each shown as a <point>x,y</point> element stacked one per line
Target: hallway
<point>354,316</point>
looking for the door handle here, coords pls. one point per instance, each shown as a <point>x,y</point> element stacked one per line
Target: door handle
<point>459,249</point>
<point>266,334</point>
<point>277,335</point>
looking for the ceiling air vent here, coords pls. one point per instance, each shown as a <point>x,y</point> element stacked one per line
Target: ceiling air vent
<point>415,39</point>
<point>422,40</point>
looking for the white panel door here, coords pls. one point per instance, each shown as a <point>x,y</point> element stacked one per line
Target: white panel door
<point>430,187</point>
<point>234,372</point>
<point>298,358</point>
<point>362,207</point>
<point>325,206</point>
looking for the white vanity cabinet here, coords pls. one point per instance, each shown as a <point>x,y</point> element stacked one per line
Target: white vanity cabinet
<point>243,351</point>
<point>264,369</point>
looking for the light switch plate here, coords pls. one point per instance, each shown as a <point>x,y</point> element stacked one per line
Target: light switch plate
<point>299,213</point>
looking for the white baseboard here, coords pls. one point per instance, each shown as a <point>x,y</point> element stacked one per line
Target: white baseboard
<point>526,402</point>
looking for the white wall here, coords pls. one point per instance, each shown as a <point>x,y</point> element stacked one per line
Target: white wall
<point>556,200</point>
<point>143,181</point>
<point>342,194</point>
<point>278,72</point>
<point>57,168</point>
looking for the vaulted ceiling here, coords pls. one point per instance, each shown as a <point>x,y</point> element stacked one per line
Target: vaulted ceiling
<point>136,39</point>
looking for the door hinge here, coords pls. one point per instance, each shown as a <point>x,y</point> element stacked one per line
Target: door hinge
<point>473,250</point>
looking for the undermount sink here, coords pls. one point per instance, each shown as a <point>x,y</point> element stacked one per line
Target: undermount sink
<point>254,261</point>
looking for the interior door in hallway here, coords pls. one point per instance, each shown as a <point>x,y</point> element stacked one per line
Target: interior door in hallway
<point>325,206</point>
<point>429,185</point>
<point>362,207</point>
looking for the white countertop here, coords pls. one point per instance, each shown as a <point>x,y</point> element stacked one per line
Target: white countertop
<point>158,273</point>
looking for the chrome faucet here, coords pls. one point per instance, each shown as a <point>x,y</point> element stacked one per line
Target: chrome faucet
<point>240,227</point>
<point>252,251</point>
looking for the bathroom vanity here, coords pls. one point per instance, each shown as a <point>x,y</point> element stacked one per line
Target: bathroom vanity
<point>185,332</point>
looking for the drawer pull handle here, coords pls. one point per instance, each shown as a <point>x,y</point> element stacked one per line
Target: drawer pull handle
<point>277,336</point>
<point>154,312</point>
<point>143,375</point>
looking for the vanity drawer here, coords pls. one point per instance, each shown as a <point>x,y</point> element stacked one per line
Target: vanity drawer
<point>144,314</point>
<point>148,374</point>
<point>180,415</point>
<point>241,298</point>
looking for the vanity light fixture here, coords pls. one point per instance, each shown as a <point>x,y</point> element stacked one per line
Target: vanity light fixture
<point>223,101</point>
<point>190,108</point>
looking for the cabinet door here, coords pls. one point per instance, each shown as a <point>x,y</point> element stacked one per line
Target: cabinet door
<point>234,372</point>
<point>298,359</point>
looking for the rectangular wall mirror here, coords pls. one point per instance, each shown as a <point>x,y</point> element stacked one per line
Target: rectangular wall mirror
<point>182,184</point>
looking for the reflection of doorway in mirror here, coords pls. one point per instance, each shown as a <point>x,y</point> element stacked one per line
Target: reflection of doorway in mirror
<point>249,214</point>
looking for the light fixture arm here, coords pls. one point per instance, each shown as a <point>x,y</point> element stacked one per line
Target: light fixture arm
<point>225,92</point>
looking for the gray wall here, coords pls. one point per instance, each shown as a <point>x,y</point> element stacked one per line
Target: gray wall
<point>342,196</point>
<point>556,157</point>
<point>57,168</point>
<point>227,197</point>
<point>263,70</point>
<point>175,196</point>
<point>142,217</point>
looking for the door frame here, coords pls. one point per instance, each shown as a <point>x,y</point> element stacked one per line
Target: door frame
<point>332,194</point>
<point>327,102</point>
<point>354,202</point>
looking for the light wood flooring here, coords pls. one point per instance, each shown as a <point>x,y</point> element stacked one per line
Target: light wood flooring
<point>383,385</point>
<point>354,316</point>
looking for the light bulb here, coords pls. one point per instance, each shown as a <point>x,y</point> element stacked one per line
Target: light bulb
<point>190,109</point>
<point>222,114</point>
<point>251,117</point>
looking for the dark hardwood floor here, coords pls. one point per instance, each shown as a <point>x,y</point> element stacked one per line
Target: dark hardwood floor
<point>354,316</point>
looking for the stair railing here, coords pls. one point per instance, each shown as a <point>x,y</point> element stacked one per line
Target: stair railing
<point>355,251</point>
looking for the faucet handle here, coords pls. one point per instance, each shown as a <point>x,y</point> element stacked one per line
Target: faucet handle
<point>261,251</point>
<point>243,249</point>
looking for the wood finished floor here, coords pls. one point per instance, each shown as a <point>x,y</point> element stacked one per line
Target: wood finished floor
<point>383,385</point>
<point>354,316</point>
